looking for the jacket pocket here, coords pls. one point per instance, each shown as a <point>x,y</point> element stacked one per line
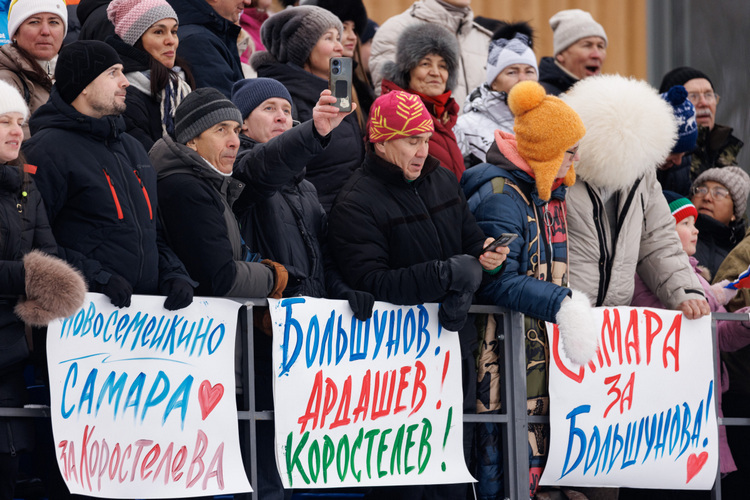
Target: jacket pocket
<point>114,195</point>
<point>145,194</point>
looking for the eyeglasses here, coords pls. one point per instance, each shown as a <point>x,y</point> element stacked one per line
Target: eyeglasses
<point>573,151</point>
<point>707,96</point>
<point>717,192</point>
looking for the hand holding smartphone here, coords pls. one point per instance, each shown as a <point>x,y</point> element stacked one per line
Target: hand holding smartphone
<point>340,82</point>
<point>501,241</point>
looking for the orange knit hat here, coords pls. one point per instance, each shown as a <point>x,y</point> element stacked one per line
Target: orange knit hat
<point>545,128</point>
<point>397,114</point>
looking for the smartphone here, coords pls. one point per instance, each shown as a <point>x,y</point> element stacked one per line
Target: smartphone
<point>340,82</point>
<point>501,241</point>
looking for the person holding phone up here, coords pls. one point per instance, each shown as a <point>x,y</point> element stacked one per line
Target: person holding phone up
<point>521,190</point>
<point>400,229</point>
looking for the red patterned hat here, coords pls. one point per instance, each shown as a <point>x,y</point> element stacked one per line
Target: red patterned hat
<point>396,115</point>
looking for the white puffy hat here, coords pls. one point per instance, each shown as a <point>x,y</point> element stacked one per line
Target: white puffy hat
<point>21,10</point>
<point>11,100</point>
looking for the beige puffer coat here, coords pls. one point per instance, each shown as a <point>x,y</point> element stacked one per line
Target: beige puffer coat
<point>602,264</point>
<point>12,64</point>
<point>473,42</point>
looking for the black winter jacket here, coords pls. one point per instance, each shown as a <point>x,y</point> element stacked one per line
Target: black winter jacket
<point>95,25</point>
<point>200,224</point>
<point>142,115</point>
<point>716,240</point>
<point>100,192</point>
<point>330,170</point>
<point>554,80</point>
<point>209,43</point>
<point>279,212</point>
<point>389,236</point>
<point>23,227</point>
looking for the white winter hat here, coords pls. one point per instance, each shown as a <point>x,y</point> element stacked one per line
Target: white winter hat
<point>21,10</point>
<point>11,100</point>
<point>569,26</point>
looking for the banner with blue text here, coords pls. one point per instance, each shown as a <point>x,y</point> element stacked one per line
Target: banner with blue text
<point>372,403</point>
<point>143,399</point>
<point>642,413</point>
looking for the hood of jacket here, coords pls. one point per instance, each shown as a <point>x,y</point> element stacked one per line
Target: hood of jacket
<point>58,114</point>
<point>493,104</point>
<point>86,7</point>
<point>630,129</point>
<point>432,12</point>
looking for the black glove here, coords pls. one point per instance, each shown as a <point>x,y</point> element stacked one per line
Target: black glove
<point>361,303</point>
<point>118,290</point>
<point>179,294</point>
<point>461,273</point>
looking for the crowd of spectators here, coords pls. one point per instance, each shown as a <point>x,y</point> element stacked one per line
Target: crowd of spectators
<point>185,147</point>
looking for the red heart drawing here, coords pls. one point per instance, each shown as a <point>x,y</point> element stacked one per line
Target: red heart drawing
<point>694,464</point>
<point>209,396</point>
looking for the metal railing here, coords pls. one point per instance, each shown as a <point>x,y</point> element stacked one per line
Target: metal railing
<point>513,420</point>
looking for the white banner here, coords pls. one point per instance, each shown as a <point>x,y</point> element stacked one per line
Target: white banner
<point>641,414</point>
<point>143,399</point>
<point>372,403</point>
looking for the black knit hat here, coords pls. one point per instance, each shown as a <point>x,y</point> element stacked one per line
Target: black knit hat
<point>347,10</point>
<point>291,34</point>
<point>250,93</point>
<point>679,76</point>
<point>79,64</point>
<point>201,110</point>
<point>416,42</point>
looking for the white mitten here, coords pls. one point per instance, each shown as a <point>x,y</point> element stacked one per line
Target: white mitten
<point>721,294</point>
<point>578,334</point>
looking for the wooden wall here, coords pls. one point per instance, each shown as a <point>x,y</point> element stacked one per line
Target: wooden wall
<point>624,21</point>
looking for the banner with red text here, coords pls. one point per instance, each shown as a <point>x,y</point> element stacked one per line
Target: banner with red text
<point>143,399</point>
<point>371,403</point>
<point>642,414</point>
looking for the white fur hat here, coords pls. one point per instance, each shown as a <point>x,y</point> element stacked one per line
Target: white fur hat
<point>629,129</point>
<point>11,100</point>
<point>21,10</point>
<point>569,26</point>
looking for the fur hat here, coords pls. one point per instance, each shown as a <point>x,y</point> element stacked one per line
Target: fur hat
<point>79,64</point>
<point>681,207</point>
<point>415,43</point>
<point>396,115</point>
<point>11,100</point>
<point>569,26</point>
<point>734,179</point>
<point>630,129</point>
<point>545,128</point>
<point>54,289</point>
<point>684,114</point>
<point>291,34</point>
<point>21,10</point>
<point>348,10</point>
<point>511,44</point>
<point>132,18</point>
<point>250,93</point>
<point>680,76</point>
<point>201,110</point>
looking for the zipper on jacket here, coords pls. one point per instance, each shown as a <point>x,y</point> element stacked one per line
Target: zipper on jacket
<point>429,215</point>
<point>136,225</point>
<point>114,194</point>
<point>604,257</point>
<point>547,221</point>
<point>145,194</point>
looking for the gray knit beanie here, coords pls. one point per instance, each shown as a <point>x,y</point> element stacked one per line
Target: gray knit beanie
<point>569,26</point>
<point>201,110</point>
<point>734,179</point>
<point>291,34</point>
<point>415,43</point>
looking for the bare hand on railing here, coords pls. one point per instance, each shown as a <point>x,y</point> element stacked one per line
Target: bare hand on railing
<point>695,308</point>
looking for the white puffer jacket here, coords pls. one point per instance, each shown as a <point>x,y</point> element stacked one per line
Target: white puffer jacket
<point>473,42</point>
<point>484,112</point>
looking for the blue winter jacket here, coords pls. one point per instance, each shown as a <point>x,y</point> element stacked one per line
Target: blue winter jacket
<point>499,209</point>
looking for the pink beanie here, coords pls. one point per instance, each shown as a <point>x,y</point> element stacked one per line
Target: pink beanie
<point>133,17</point>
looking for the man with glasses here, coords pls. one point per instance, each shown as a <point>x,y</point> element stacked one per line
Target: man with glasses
<point>716,146</point>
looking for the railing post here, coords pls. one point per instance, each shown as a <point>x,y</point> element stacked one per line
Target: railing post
<point>518,425</point>
<point>248,380</point>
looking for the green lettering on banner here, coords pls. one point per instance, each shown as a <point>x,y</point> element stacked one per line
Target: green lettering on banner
<point>292,460</point>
